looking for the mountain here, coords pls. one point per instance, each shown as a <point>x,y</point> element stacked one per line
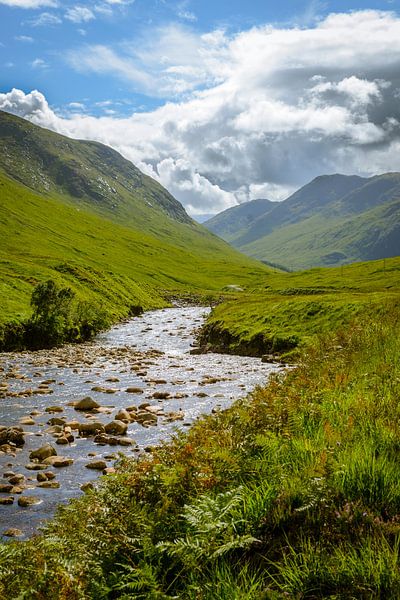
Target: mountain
<point>231,222</point>
<point>79,213</point>
<point>334,219</point>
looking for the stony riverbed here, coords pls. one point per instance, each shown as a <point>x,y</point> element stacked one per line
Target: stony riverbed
<point>66,414</point>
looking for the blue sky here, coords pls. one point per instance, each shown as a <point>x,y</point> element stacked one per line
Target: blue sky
<point>37,41</point>
<point>221,101</point>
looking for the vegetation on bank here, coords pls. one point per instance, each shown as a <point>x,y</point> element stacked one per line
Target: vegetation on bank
<point>292,493</point>
<point>284,315</point>
<point>109,267</point>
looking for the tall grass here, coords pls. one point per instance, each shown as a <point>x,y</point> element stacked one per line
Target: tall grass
<point>292,493</point>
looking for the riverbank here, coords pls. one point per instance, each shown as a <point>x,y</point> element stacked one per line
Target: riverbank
<point>79,406</point>
<point>283,317</point>
<point>292,492</point>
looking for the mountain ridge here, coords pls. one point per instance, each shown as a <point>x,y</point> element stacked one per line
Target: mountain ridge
<point>135,246</point>
<point>334,219</point>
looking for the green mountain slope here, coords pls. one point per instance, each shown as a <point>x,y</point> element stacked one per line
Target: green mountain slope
<point>87,173</point>
<point>230,223</point>
<point>333,220</point>
<point>113,256</point>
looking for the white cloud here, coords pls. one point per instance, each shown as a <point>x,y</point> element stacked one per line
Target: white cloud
<point>45,19</point>
<point>260,112</point>
<point>172,61</point>
<point>24,38</point>
<point>39,63</point>
<point>79,14</point>
<point>29,3</point>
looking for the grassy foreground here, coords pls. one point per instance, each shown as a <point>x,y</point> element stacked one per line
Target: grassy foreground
<point>294,492</point>
<point>289,309</point>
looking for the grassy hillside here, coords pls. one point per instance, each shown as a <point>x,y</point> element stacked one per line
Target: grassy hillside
<point>113,265</point>
<point>340,239</point>
<point>80,214</point>
<point>234,221</point>
<point>292,308</point>
<point>292,493</point>
<point>334,219</point>
<point>86,174</point>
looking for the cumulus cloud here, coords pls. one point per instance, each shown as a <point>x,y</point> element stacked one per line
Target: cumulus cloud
<point>258,113</point>
<point>79,14</point>
<point>171,61</point>
<point>29,3</point>
<point>45,19</point>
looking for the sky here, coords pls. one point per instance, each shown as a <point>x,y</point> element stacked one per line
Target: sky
<point>221,101</point>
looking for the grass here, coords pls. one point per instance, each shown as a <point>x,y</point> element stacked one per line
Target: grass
<point>291,308</point>
<point>107,264</point>
<point>293,492</point>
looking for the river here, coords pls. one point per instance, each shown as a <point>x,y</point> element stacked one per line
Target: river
<point>150,357</point>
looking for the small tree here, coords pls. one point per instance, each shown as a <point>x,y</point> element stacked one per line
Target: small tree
<point>51,318</point>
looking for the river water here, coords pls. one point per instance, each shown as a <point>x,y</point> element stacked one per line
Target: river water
<point>150,357</point>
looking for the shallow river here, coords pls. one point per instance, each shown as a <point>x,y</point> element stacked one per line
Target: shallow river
<point>150,357</point>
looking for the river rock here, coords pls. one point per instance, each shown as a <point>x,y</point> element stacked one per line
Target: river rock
<point>62,441</point>
<point>5,488</point>
<point>35,467</point>
<point>104,439</point>
<point>12,435</point>
<point>6,500</point>
<point>16,479</point>
<point>109,471</point>
<point>161,395</point>
<point>98,465</point>
<point>145,418</point>
<point>116,427</point>
<point>41,477</point>
<point>13,532</point>
<point>126,441</point>
<point>86,404</point>
<point>92,428</point>
<point>25,501</point>
<point>54,409</point>
<point>26,421</point>
<point>43,452</point>
<point>56,421</point>
<point>58,461</point>
<point>123,415</point>
<point>87,486</point>
<point>49,485</point>
<point>134,390</point>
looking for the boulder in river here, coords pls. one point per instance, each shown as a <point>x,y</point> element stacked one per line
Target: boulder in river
<point>123,415</point>
<point>116,427</point>
<point>12,435</point>
<point>98,465</point>
<point>86,404</point>
<point>43,452</point>
<point>25,501</point>
<point>26,421</point>
<point>59,461</point>
<point>7,500</point>
<point>93,428</point>
<point>53,485</point>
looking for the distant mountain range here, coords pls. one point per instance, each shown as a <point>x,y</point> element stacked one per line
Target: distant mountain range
<point>333,220</point>
<point>79,213</point>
